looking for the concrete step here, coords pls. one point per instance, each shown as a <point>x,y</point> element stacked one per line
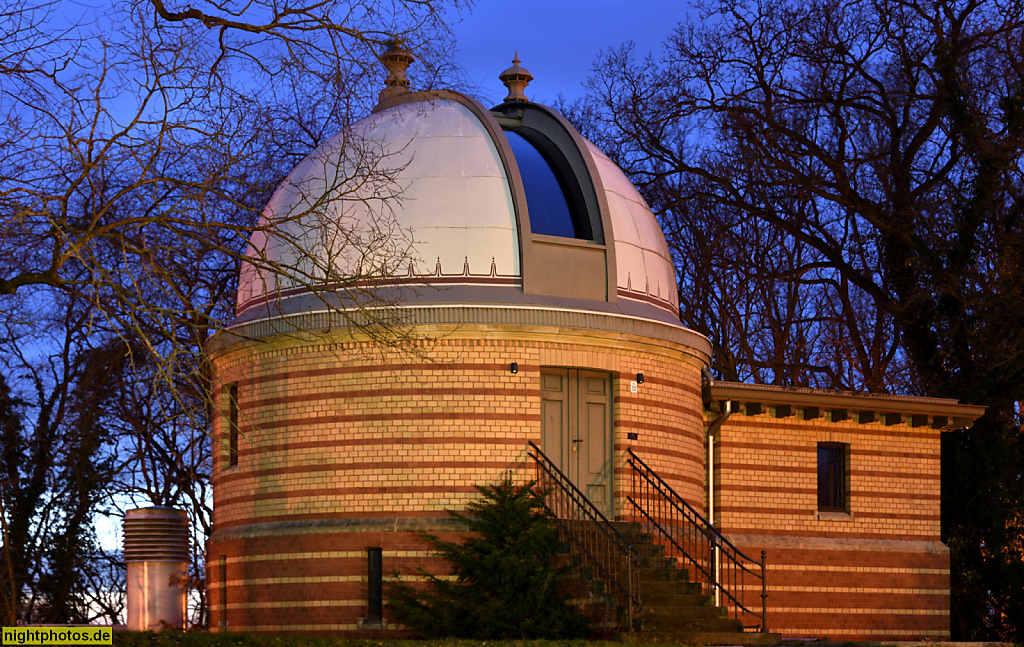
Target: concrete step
<point>686,606</point>
<point>677,623</point>
<point>682,612</point>
<point>628,527</point>
<point>701,638</point>
<point>663,574</point>
<point>656,561</point>
<point>676,599</point>
<point>651,551</point>
<point>668,587</point>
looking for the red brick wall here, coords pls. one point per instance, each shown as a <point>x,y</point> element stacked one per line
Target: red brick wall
<point>346,430</point>
<point>305,581</point>
<point>876,573</point>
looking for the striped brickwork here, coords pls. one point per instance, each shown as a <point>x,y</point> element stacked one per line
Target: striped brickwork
<point>306,580</point>
<point>876,573</point>
<point>341,430</point>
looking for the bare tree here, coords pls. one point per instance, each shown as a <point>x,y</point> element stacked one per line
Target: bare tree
<point>882,141</point>
<point>56,464</point>
<point>775,309</point>
<point>123,147</point>
<point>137,153</point>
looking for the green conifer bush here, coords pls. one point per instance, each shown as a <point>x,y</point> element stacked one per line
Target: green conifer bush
<point>506,579</point>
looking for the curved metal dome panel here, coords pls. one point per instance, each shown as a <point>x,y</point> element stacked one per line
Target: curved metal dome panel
<point>426,192</point>
<point>644,268</point>
<point>417,191</point>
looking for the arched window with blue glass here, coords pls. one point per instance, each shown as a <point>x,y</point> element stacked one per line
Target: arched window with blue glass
<point>553,195</point>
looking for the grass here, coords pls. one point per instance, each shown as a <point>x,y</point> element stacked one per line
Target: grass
<point>203,639</point>
<point>198,639</point>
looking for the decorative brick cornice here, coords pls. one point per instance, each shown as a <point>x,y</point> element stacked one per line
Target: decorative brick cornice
<point>808,404</point>
<point>490,315</point>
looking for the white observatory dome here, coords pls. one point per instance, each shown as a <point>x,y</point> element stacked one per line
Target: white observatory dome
<point>432,190</point>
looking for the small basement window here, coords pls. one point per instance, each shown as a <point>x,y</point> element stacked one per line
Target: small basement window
<point>832,466</point>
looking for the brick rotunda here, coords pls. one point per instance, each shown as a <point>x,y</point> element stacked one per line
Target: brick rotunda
<point>540,298</point>
<point>539,286</point>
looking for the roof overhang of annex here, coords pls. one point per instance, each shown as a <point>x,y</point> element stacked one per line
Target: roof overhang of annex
<point>810,404</point>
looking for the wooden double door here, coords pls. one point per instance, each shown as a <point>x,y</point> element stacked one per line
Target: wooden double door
<point>576,424</point>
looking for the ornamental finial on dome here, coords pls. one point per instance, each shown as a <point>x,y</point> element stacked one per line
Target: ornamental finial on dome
<point>397,59</point>
<point>516,78</point>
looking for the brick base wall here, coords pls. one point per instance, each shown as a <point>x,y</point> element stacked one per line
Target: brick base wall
<point>855,590</point>
<point>312,579</point>
<point>873,571</point>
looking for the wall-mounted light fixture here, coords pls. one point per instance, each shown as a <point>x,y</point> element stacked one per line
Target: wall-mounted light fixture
<point>513,368</point>
<point>639,378</point>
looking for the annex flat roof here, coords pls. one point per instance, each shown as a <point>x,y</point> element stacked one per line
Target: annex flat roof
<point>939,413</point>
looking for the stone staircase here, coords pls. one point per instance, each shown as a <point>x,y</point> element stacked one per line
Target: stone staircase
<point>675,610</point>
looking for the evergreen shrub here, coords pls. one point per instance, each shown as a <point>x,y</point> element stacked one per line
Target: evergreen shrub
<point>506,575</point>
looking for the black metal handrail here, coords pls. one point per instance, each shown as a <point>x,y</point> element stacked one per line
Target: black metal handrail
<point>598,543</point>
<point>717,563</point>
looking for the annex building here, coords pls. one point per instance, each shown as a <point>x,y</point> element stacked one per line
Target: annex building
<point>541,295</point>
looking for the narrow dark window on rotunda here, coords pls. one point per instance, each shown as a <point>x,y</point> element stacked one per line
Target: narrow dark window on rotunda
<point>222,574</point>
<point>232,425</point>
<point>375,585</point>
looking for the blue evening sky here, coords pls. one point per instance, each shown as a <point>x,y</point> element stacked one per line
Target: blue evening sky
<point>557,40</point>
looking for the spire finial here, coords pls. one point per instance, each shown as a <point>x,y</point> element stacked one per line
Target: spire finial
<point>397,59</point>
<point>516,78</point>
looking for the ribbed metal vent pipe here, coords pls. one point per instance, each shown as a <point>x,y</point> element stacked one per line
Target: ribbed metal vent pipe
<point>156,552</point>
